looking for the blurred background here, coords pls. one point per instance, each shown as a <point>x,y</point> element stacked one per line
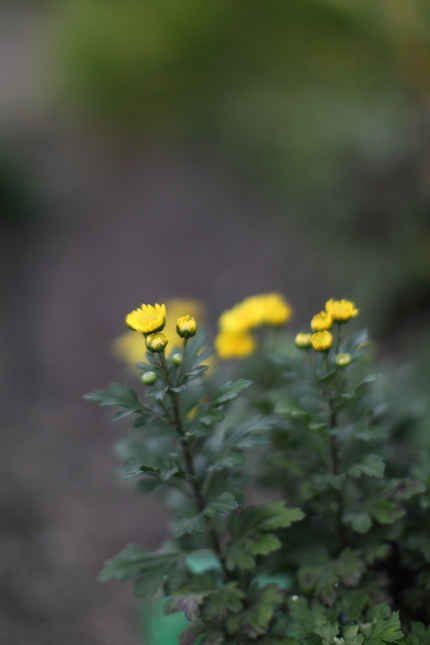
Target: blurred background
<point>152,149</point>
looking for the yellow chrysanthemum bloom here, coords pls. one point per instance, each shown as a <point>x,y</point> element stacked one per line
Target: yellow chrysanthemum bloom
<point>322,341</point>
<point>341,310</point>
<point>241,318</point>
<point>303,341</point>
<point>234,345</point>
<point>156,342</point>
<point>186,327</point>
<point>148,319</point>
<point>321,322</point>
<point>276,310</point>
<point>252,312</point>
<point>130,347</point>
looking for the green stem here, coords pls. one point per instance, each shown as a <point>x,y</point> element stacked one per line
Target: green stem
<point>181,370</point>
<point>188,457</point>
<point>335,471</point>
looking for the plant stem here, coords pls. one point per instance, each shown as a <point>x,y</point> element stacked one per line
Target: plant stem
<point>188,457</point>
<point>181,369</point>
<point>335,471</point>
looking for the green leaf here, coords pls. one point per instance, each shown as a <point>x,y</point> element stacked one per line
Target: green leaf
<point>382,626</point>
<point>232,459</point>
<point>351,636</point>
<point>118,395</point>
<point>190,605</point>
<point>359,521</point>
<point>212,416</point>
<point>188,523</point>
<point>325,629</point>
<point>254,621</point>
<point>251,532</point>
<point>371,465</point>
<point>221,504</point>
<point>229,391</point>
<point>134,561</point>
<point>323,579</point>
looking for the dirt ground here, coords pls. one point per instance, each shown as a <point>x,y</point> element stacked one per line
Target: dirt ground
<point>116,229</point>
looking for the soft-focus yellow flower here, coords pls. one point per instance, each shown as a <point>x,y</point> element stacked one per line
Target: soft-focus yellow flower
<point>321,322</point>
<point>341,310</point>
<point>156,342</point>
<point>148,319</point>
<point>130,347</point>
<point>277,311</point>
<point>252,312</point>
<point>186,327</point>
<point>322,341</point>
<point>234,345</point>
<point>303,341</point>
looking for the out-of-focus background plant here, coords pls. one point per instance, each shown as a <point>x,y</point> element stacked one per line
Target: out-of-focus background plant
<point>150,150</point>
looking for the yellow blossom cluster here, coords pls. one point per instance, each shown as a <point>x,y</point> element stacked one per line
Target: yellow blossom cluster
<point>235,339</point>
<point>131,347</point>
<point>336,311</point>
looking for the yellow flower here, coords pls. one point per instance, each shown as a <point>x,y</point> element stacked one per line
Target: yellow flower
<point>341,310</point>
<point>130,347</point>
<point>156,342</point>
<point>264,309</point>
<point>303,341</point>
<point>321,322</point>
<point>186,327</point>
<point>234,345</point>
<point>322,341</point>
<point>147,319</point>
<point>277,311</point>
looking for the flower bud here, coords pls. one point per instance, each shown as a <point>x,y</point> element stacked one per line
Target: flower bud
<point>148,378</point>
<point>342,360</point>
<point>156,342</point>
<point>322,341</point>
<point>321,322</point>
<point>177,359</point>
<point>303,341</point>
<point>186,327</point>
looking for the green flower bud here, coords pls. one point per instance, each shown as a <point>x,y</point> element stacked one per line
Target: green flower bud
<point>156,342</point>
<point>303,341</point>
<point>186,327</point>
<point>342,360</point>
<point>177,359</point>
<point>148,378</point>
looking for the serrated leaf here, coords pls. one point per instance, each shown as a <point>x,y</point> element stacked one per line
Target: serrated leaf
<point>326,630</point>
<point>232,459</point>
<point>221,504</point>
<point>229,391</point>
<point>384,625</point>
<point>212,416</point>
<point>118,395</point>
<point>188,523</point>
<point>134,561</point>
<point>371,465</point>
<point>254,620</point>
<point>351,636</point>
<point>321,579</point>
<point>251,531</point>
<point>190,605</point>
<point>359,521</point>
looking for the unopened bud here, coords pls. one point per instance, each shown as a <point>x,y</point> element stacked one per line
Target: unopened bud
<point>342,360</point>
<point>177,359</point>
<point>303,341</point>
<point>156,342</point>
<point>148,378</point>
<point>186,327</point>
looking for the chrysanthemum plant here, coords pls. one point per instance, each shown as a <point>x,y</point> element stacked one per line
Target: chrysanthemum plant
<point>339,553</point>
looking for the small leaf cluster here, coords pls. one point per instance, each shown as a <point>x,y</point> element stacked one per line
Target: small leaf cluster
<point>337,552</point>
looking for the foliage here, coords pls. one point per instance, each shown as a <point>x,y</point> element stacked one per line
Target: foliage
<point>337,552</point>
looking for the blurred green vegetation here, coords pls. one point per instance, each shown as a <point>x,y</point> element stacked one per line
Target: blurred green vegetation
<point>324,102</point>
